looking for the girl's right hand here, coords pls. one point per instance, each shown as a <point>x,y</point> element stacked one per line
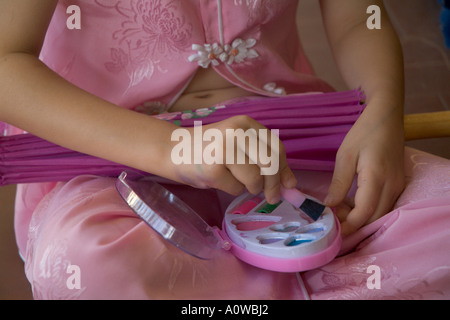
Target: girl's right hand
<point>216,164</point>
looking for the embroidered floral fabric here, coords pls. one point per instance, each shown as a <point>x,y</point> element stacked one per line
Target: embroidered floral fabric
<point>138,52</point>
<point>85,223</point>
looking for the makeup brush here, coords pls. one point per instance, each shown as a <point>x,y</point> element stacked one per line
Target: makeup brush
<point>295,197</point>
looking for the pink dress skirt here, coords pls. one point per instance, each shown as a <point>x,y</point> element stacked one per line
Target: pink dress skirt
<point>80,240</point>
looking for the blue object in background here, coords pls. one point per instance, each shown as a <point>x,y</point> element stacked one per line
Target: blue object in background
<point>445,20</point>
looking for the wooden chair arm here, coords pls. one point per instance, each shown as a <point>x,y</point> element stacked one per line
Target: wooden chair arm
<point>427,125</point>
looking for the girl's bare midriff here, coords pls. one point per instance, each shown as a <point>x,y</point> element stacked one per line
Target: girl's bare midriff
<point>206,89</point>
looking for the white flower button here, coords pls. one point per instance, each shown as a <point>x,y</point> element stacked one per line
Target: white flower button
<point>272,88</point>
<point>207,54</point>
<point>237,52</point>
<point>240,50</point>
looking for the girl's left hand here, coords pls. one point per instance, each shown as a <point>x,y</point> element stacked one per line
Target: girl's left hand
<point>372,150</point>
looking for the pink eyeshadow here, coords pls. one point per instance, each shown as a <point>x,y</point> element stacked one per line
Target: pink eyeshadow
<point>253,225</point>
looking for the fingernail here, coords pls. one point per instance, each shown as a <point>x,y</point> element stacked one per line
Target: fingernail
<point>328,200</point>
<point>292,182</point>
<point>274,200</point>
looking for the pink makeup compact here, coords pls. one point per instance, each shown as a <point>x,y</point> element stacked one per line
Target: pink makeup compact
<point>279,237</point>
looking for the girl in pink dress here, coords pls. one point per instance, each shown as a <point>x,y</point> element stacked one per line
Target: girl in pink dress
<point>75,72</point>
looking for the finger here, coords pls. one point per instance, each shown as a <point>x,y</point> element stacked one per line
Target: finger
<point>267,170</point>
<point>283,175</point>
<point>387,200</point>
<point>342,210</point>
<point>241,158</point>
<point>223,179</point>
<point>263,150</point>
<point>248,175</point>
<point>367,197</point>
<point>231,185</point>
<point>272,188</point>
<point>341,182</point>
<point>287,177</point>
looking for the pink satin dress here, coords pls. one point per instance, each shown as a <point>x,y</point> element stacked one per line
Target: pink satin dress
<point>141,54</point>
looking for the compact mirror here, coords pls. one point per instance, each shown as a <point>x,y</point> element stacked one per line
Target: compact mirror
<point>165,213</point>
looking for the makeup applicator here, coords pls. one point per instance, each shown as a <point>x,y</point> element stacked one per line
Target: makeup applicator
<point>299,200</point>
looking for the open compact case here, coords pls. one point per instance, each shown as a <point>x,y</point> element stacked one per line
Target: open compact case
<point>277,237</point>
